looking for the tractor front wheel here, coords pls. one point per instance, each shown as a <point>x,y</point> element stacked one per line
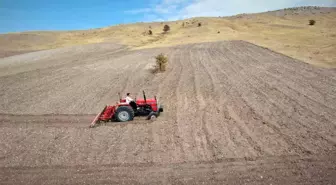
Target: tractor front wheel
<point>152,116</point>
<point>124,114</point>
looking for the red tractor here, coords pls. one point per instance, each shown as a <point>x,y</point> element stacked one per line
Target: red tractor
<point>123,111</point>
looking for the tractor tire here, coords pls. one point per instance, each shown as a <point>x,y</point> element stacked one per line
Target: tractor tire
<point>124,113</point>
<point>152,116</point>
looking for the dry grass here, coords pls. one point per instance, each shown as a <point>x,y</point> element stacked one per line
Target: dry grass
<point>288,34</point>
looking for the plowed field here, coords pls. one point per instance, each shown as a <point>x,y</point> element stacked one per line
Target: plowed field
<point>234,113</point>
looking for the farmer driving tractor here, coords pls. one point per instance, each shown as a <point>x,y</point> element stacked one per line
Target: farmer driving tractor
<point>130,101</point>
<point>128,98</point>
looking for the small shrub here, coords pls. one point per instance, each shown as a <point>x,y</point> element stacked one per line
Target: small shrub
<point>312,22</point>
<point>166,28</point>
<point>161,62</point>
<point>150,27</point>
<point>199,24</point>
<point>150,32</point>
<point>183,24</point>
<point>218,32</point>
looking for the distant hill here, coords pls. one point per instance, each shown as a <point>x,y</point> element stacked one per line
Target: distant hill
<point>286,31</point>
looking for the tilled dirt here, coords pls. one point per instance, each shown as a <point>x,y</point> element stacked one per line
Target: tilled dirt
<point>234,113</point>
<point>4,54</point>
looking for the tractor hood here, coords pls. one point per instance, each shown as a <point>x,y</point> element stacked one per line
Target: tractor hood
<point>150,102</point>
<point>143,102</point>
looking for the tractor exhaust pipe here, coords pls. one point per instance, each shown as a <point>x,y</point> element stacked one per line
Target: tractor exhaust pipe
<point>144,95</point>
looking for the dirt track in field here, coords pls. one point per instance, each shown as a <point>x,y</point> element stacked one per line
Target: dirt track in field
<point>234,113</point>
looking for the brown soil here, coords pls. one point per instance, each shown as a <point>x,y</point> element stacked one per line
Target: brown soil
<point>234,113</point>
<point>4,54</point>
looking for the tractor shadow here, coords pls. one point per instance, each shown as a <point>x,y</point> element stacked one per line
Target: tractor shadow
<point>136,120</point>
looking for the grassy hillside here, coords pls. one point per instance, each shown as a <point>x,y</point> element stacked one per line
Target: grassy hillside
<point>285,31</point>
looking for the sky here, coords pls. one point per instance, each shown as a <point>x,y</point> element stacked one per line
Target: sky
<point>31,15</point>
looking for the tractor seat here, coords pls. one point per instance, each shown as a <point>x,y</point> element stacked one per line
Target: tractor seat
<point>133,105</point>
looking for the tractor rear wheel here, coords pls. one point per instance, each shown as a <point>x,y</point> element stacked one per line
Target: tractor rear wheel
<point>124,113</point>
